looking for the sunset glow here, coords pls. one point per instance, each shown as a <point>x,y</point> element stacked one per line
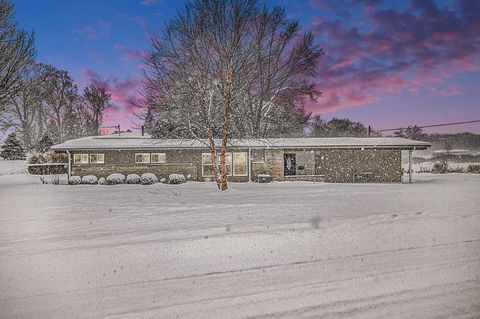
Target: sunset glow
<point>387,63</point>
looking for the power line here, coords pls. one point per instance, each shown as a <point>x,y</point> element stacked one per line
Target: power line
<point>426,126</point>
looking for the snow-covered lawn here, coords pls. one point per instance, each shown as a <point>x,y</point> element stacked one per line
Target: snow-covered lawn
<point>281,250</point>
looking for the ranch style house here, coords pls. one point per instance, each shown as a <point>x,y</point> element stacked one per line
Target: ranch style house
<point>337,160</point>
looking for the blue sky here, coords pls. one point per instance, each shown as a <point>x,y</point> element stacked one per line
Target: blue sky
<point>387,63</point>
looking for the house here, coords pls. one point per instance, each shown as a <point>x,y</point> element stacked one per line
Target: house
<point>343,159</point>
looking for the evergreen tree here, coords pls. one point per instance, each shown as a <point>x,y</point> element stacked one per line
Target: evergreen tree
<point>12,149</point>
<point>44,144</point>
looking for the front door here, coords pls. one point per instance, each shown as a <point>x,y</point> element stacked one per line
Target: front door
<point>289,164</point>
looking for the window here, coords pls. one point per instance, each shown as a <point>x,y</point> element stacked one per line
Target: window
<point>142,157</point>
<point>158,158</point>
<point>239,164</point>
<point>207,165</point>
<point>96,158</point>
<point>80,158</point>
<point>237,160</point>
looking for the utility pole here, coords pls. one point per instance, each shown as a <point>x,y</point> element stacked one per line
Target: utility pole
<point>409,166</point>
<point>369,130</point>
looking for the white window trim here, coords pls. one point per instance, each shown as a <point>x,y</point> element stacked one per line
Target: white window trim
<point>142,157</point>
<point>81,155</point>
<point>161,162</point>
<point>246,164</point>
<point>97,162</point>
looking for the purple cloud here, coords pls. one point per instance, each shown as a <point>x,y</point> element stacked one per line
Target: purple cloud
<point>398,50</point>
<point>125,95</point>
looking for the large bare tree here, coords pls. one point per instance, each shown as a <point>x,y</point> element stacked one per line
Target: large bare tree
<point>281,75</point>
<point>17,51</point>
<point>230,68</point>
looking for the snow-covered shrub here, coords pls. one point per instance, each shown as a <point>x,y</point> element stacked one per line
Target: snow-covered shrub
<point>176,179</point>
<point>133,179</point>
<point>89,179</point>
<point>163,180</point>
<point>55,179</point>
<point>115,178</point>
<point>440,167</point>
<point>74,180</point>
<point>474,168</point>
<point>53,157</point>
<point>149,178</point>
<point>102,181</point>
<point>457,169</point>
<point>36,158</point>
<point>48,157</point>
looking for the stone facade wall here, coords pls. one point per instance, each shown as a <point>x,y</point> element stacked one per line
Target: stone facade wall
<point>336,164</point>
<point>185,162</point>
<point>258,155</point>
<point>259,168</point>
<point>378,166</point>
<point>359,165</point>
<point>304,158</point>
<point>274,163</point>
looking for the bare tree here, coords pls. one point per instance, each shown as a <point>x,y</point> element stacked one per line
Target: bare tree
<point>22,109</point>
<point>281,74</point>
<point>412,132</point>
<point>97,100</point>
<point>60,114</point>
<point>229,68</point>
<point>16,53</point>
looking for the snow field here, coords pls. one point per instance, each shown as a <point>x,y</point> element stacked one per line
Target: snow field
<point>281,250</point>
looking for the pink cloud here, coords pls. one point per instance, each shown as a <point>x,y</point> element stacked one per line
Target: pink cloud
<point>130,54</point>
<point>399,50</point>
<point>452,90</point>
<point>126,94</point>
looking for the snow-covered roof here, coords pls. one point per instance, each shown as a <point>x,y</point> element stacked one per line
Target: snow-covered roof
<point>133,141</point>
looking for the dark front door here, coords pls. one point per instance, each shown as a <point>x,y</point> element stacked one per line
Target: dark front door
<point>289,164</point>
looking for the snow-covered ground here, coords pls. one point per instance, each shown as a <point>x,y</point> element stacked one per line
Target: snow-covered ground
<point>12,167</point>
<point>281,250</point>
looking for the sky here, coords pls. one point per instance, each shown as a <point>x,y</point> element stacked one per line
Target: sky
<point>387,64</point>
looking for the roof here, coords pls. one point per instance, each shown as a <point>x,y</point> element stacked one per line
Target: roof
<point>132,141</point>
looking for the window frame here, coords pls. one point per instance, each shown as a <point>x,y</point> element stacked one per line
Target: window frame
<point>246,164</point>
<point>209,164</point>
<point>206,161</point>
<point>159,162</point>
<point>97,162</point>
<point>81,156</point>
<point>142,162</point>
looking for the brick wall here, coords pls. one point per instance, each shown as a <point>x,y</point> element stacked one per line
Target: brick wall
<point>337,165</point>
<point>274,162</point>
<point>186,162</point>
<point>357,165</point>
